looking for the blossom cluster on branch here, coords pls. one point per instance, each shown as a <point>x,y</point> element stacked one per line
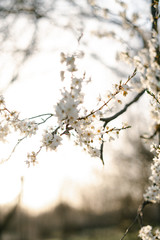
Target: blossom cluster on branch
<point>10,122</point>
<point>73,119</point>
<point>147,63</point>
<point>153,192</point>
<point>89,128</point>
<point>146,233</point>
<point>148,68</point>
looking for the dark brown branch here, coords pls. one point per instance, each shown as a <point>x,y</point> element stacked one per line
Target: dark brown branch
<point>154,12</point>
<point>152,95</point>
<point>149,137</point>
<point>107,120</point>
<point>136,98</point>
<point>129,228</point>
<point>101,150</point>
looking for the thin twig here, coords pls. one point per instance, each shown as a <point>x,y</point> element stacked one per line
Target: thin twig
<point>13,150</point>
<point>152,95</point>
<point>130,226</point>
<point>139,218</point>
<point>44,120</point>
<point>102,144</point>
<point>149,137</point>
<point>41,115</point>
<point>117,129</point>
<point>113,95</point>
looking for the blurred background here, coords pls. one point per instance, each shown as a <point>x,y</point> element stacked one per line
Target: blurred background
<point>70,195</point>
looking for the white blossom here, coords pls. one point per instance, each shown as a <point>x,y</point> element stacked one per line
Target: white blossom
<point>31,159</point>
<point>51,140</point>
<point>153,192</point>
<point>145,233</point>
<point>4,131</point>
<point>26,127</point>
<point>70,62</point>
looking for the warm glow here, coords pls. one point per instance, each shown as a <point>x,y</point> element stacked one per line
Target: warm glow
<point>36,92</point>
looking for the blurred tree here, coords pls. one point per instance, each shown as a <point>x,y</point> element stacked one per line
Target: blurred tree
<point>17,45</point>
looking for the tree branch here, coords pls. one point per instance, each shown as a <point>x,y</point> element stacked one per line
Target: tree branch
<point>139,218</point>
<point>113,95</point>
<point>155,13</point>
<point>136,98</point>
<point>109,119</point>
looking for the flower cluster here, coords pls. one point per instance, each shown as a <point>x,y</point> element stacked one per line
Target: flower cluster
<point>4,131</point>
<point>10,121</point>
<point>31,159</point>
<point>146,233</point>
<point>148,67</point>
<point>70,62</point>
<point>26,127</point>
<point>51,140</point>
<point>155,104</point>
<point>68,112</point>
<point>86,127</point>
<point>123,88</point>
<point>153,192</point>
<point>73,119</point>
<point>88,133</point>
<point>68,107</point>
<point>146,64</point>
<point>4,127</point>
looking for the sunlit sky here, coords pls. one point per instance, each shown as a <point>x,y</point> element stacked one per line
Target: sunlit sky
<point>36,92</point>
